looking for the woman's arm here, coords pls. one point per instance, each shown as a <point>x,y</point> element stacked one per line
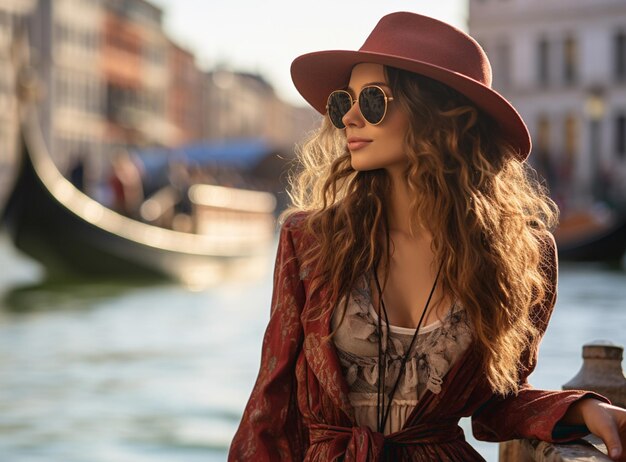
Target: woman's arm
<point>271,427</point>
<point>532,413</point>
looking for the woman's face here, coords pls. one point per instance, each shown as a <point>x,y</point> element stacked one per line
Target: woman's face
<point>375,146</point>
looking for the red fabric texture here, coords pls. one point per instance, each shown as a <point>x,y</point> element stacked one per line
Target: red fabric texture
<point>299,409</point>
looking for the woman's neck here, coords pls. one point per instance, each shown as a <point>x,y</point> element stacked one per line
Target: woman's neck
<point>399,209</point>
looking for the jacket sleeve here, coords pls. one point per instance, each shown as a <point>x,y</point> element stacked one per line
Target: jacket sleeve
<point>532,413</point>
<point>271,427</point>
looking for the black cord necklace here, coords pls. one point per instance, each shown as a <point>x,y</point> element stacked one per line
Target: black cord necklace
<point>382,409</point>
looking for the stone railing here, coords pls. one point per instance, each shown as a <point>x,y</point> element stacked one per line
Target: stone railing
<point>601,372</point>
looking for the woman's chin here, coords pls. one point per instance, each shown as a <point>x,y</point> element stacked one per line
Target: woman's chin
<point>360,166</point>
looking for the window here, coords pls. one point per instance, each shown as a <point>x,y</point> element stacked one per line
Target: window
<point>112,101</point>
<point>620,56</point>
<point>570,60</point>
<point>542,157</point>
<point>543,134</point>
<point>502,71</point>
<point>571,137</point>
<point>543,62</point>
<point>60,88</point>
<point>620,135</point>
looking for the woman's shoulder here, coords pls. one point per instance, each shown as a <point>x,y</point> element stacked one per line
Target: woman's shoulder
<point>294,233</point>
<point>295,220</point>
<point>294,225</point>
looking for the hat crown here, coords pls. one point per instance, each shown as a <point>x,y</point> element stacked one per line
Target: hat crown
<point>420,38</point>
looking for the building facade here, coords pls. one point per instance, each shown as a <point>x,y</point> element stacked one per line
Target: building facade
<point>13,21</point>
<point>562,63</point>
<point>104,72</point>
<point>66,54</point>
<point>111,79</point>
<point>184,103</point>
<point>135,70</point>
<point>239,104</point>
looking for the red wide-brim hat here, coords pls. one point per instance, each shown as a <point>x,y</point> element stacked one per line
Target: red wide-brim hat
<point>422,45</point>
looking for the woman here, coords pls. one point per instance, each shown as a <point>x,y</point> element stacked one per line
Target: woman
<point>418,273</point>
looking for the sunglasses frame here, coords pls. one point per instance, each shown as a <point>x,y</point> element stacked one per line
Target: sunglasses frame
<point>353,101</point>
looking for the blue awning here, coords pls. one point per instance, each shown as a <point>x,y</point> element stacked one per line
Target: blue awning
<point>241,154</point>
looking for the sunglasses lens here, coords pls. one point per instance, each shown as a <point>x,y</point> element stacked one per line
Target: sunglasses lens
<point>339,103</point>
<point>372,104</point>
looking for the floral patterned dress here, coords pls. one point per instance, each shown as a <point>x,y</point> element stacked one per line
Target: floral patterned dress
<point>437,347</point>
<point>300,410</point>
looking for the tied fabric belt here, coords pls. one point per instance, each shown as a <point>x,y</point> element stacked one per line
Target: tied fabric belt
<point>361,444</point>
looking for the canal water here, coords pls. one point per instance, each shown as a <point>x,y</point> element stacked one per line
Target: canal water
<point>113,372</point>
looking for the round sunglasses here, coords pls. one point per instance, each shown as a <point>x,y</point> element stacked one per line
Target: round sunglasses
<point>372,104</point>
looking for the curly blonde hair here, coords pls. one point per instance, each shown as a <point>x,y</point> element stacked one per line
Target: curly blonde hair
<point>489,215</point>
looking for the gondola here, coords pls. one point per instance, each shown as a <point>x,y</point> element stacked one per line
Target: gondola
<point>71,234</point>
<point>585,237</point>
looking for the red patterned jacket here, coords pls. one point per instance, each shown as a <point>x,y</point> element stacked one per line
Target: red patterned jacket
<point>299,407</point>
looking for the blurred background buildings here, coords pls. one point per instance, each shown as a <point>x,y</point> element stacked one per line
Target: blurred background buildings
<point>562,63</point>
<point>66,39</point>
<point>113,80</point>
<point>13,15</point>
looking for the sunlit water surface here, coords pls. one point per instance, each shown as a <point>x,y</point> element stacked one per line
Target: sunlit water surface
<point>113,372</point>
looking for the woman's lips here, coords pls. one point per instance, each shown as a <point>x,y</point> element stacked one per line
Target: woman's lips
<point>356,144</point>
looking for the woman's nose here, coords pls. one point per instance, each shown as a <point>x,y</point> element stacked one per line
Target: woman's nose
<point>353,116</point>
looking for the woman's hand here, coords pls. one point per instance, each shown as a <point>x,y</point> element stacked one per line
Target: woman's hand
<point>605,421</point>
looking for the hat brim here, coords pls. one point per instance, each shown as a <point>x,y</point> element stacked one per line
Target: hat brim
<point>316,75</point>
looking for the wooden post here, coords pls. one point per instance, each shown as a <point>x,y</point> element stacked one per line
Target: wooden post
<point>513,451</point>
<point>601,372</point>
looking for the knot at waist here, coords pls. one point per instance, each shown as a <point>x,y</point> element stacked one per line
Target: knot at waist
<point>361,444</point>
